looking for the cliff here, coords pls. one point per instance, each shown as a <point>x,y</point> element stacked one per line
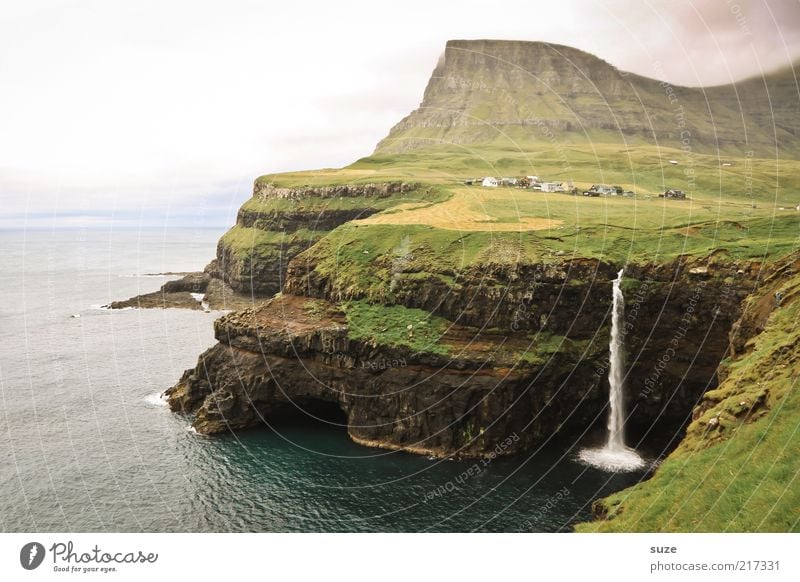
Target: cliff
<point>277,224</point>
<point>529,360</point>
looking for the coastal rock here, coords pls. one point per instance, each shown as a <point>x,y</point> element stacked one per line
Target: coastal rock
<point>177,294</point>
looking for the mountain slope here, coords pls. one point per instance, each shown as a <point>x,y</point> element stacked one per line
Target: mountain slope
<point>521,93</point>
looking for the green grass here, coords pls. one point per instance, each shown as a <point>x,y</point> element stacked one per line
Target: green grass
<point>643,169</point>
<point>361,259</point>
<point>263,240</point>
<point>255,243</point>
<point>735,207</point>
<point>739,471</point>
<point>389,326</point>
<point>544,346</point>
<point>319,204</point>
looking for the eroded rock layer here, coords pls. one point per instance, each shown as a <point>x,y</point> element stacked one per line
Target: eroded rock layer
<point>530,363</point>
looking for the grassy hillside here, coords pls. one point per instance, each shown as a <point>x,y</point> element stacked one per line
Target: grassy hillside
<point>745,208</point>
<point>643,169</point>
<point>737,469</point>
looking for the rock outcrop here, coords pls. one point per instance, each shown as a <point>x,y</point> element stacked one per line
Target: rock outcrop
<point>203,290</point>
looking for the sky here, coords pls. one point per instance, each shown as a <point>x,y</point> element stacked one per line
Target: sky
<point>164,112</point>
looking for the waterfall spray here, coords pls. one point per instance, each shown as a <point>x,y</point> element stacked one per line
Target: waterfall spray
<point>615,456</point>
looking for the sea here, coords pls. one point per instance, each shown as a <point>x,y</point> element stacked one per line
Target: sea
<point>88,445</point>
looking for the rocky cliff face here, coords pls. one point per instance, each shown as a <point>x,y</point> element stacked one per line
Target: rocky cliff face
<point>279,358</point>
<point>279,223</point>
<point>512,92</point>
<point>297,352</point>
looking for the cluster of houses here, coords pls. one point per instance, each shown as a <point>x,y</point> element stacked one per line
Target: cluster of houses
<point>534,183</point>
<point>531,182</point>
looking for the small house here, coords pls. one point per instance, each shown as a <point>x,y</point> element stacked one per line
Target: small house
<point>670,193</point>
<point>489,182</point>
<point>552,187</point>
<point>600,190</point>
<point>508,181</point>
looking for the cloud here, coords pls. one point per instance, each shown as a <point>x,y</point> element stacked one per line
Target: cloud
<point>150,106</point>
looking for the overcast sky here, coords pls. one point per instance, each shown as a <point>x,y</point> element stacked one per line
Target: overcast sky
<point>165,111</point>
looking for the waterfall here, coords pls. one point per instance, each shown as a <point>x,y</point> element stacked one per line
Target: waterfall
<point>616,370</point>
<point>615,455</point>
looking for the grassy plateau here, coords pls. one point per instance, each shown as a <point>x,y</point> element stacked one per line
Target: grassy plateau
<point>740,476</point>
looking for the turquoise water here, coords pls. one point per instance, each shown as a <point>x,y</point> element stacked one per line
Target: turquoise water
<point>87,446</point>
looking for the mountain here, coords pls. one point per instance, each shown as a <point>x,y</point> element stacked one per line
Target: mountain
<point>523,94</point>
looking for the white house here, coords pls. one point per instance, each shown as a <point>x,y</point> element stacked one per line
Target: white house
<point>489,182</point>
<point>552,187</point>
<point>604,190</point>
<point>533,179</point>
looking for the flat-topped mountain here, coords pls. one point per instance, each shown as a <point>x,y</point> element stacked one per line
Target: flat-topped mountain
<point>519,93</point>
